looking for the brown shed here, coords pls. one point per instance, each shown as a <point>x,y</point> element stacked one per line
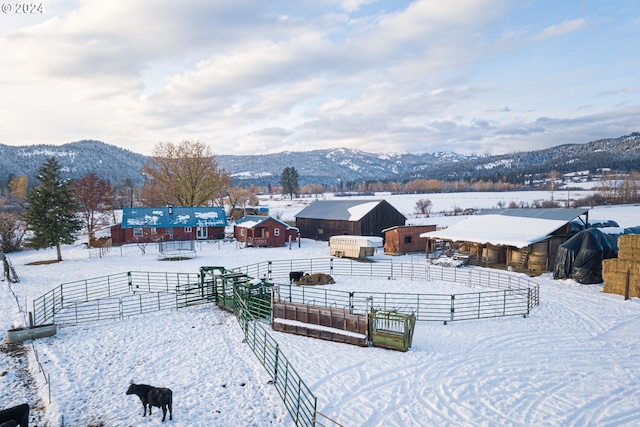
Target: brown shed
<point>405,239</point>
<point>258,230</point>
<point>325,218</point>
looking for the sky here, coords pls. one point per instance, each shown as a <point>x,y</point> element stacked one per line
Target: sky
<point>572,361</point>
<point>255,77</point>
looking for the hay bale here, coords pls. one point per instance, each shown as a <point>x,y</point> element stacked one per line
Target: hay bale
<point>617,265</point>
<point>316,279</point>
<point>614,274</point>
<point>629,247</point>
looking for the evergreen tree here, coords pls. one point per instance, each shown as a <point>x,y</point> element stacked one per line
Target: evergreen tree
<point>289,181</point>
<point>51,210</point>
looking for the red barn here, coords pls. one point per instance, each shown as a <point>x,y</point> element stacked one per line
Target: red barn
<point>257,230</point>
<point>169,223</point>
<point>405,239</point>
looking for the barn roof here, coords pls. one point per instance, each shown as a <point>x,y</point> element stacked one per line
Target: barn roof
<point>563,214</point>
<point>345,210</point>
<point>495,229</point>
<point>252,221</point>
<point>169,217</point>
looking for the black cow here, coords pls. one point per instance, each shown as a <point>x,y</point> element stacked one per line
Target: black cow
<point>294,276</point>
<point>153,396</point>
<point>16,416</point>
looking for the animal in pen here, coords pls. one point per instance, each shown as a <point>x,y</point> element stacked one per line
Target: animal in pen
<point>153,396</point>
<point>15,416</point>
<point>294,276</point>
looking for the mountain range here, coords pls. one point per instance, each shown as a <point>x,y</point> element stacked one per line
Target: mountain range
<point>333,166</point>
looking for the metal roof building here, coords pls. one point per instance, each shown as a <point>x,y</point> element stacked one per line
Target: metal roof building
<point>325,218</point>
<point>171,217</point>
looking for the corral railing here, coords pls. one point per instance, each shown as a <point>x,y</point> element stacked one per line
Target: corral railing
<point>120,296</point>
<point>503,294</point>
<point>296,395</point>
<point>109,297</point>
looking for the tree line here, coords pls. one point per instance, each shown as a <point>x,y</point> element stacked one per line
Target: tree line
<point>51,213</point>
<point>187,174</point>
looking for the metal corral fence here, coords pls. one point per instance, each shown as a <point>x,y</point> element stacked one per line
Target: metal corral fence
<point>504,295</point>
<point>109,297</point>
<point>296,395</point>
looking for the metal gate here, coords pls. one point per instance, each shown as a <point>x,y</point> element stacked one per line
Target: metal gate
<point>390,329</point>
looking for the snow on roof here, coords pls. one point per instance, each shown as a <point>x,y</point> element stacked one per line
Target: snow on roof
<point>498,230</point>
<point>343,210</point>
<point>250,221</point>
<point>248,224</point>
<point>176,216</point>
<point>370,241</point>
<point>357,212</point>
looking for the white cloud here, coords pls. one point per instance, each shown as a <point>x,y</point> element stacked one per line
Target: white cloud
<point>375,75</point>
<point>565,27</point>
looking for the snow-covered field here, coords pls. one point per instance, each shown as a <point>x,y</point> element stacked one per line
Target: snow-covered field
<point>572,362</point>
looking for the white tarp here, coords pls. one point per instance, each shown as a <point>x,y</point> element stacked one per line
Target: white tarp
<point>498,230</point>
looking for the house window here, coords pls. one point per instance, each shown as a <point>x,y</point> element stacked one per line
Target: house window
<point>407,239</point>
<point>187,229</point>
<point>169,232</point>
<point>137,232</point>
<point>154,230</point>
<point>242,231</point>
<point>276,231</point>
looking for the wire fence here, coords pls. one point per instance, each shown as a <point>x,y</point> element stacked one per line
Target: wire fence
<point>100,251</point>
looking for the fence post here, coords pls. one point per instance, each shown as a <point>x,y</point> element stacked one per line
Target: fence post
<point>276,364</point>
<point>504,302</point>
<point>626,285</point>
<point>453,308</point>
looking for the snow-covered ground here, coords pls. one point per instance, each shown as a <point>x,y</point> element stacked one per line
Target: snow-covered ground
<point>573,361</point>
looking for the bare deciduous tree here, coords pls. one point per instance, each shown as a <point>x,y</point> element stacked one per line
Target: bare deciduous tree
<point>95,196</point>
<point>184,174</point>
<point>423,206</point>
<point>12,231</point>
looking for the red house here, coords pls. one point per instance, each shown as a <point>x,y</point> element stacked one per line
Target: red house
<point>256,230</point>
<point>169,223</point>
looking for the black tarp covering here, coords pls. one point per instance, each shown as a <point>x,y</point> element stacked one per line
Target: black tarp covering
<point>580,257</point>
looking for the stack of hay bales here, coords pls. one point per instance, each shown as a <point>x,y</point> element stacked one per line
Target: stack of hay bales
<point>614,270</point>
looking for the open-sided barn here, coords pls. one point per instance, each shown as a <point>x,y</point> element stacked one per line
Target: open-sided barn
<point>325,218</point>
<point>169,223</point>
<point>522,238</point>
<point>258,230</point>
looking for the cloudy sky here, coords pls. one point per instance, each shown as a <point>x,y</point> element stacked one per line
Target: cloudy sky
<point>256,76</point>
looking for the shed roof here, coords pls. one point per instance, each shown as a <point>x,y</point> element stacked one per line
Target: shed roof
<point>564,214</point>
<point>499,230</point>
<point>345,210</point>
<point>252,221</point>
<point>169,217</point>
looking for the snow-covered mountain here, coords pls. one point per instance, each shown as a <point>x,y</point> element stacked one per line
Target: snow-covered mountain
<point>77,159</point>
<point>335,166</point>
